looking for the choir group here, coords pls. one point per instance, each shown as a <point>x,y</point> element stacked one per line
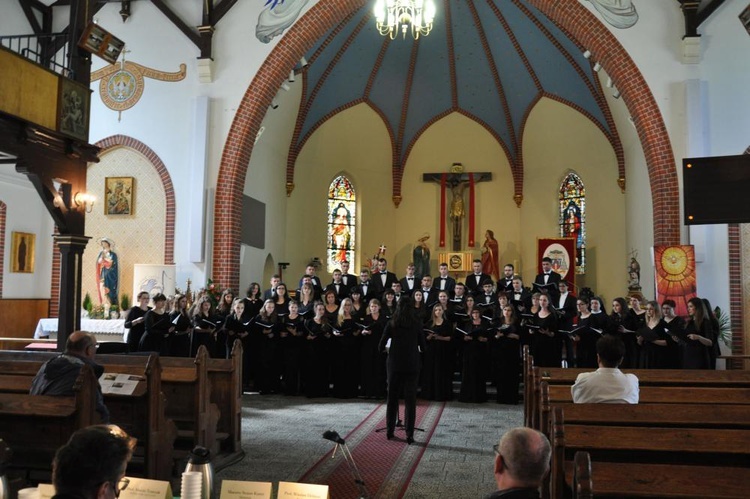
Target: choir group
<point>324,342</point>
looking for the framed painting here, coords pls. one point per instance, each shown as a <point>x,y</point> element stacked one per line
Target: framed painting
<point>118,195</point>
<point>73,109</point>
<point>745,19</point>
<point>22,252</point>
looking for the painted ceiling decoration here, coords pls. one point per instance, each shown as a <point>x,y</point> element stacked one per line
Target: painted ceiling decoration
<point>489,60</point>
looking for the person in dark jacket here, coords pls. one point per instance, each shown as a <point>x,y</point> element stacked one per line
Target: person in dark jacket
<point>522,460</point>
<point>404,331</point>
<point>58,376</point>
<point>92,464</point>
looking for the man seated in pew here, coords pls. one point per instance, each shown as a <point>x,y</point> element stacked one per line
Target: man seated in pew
<point>57,376</point>
<point>607,385</point>
<point>92,464</point>
<point>522,460</point>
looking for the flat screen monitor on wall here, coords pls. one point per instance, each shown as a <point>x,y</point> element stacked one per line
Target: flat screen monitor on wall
<point>716,190</point>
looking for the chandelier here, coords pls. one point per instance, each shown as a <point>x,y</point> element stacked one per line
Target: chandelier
<point>394,16</point>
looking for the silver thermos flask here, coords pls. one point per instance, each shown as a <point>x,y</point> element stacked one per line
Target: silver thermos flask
<point>200,461</point>
<point>5,455</point>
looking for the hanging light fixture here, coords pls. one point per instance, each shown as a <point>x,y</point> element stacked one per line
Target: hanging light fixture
<point>394,16</point>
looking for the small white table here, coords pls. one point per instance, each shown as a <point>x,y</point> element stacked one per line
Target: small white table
<point>105,330</point>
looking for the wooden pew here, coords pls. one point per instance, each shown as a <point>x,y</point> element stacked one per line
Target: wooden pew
<point>34,426</point>
<point>646,461</point>
<point>141,414</point>
<point>225,378</point>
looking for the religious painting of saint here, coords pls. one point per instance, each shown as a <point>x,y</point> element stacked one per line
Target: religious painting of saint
<point>23,250</point>
<point>73,109</point>
<point>342,208</point>
<point>118,195</point>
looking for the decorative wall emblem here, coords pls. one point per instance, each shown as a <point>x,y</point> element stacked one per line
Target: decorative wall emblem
<point>121,86</point>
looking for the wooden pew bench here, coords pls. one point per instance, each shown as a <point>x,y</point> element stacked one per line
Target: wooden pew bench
<point>648,461</point>
<point>225,378</point>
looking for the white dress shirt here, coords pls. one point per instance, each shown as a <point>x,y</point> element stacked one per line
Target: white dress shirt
<point>606,385</point>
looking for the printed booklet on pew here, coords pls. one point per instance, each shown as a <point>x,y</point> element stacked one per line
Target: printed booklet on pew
<point>121,384</point>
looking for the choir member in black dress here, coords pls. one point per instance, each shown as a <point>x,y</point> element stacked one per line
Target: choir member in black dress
<point>179,342</point>
<point>507,343</point>
<point>306,301</point>
<point>331,306</point>
<point>158,327</point>
<point>475,355</point>
<point>652,339</point>
<point>223,309</point>
<point>674,326</point>
<point>316,364</point>
<point>205,324</point>
<point>697,338</point>
<point>547,340</point>
<point>443,300</point>
<point>420,308</point>
<point>359,308</point>
<point>372,360</point>
<point>715,351</point>
<point>616,319</point>
<point>234,328</point>
<point>292,341</point>
<point>406,341</point>
<point>634,319</point>
<point>346,363</point>
<point>587,333</point>
<point>282,300</point>
<point>135,321</point>
<point>266,328</point>
<point>253,301</point>
<point>388,303</point>
<point>437,372</point>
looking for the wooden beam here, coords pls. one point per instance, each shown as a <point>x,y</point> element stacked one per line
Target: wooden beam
<point>221,10</point>
<point>30,16</point>
<point>709,9</point>
<point>186,30</point>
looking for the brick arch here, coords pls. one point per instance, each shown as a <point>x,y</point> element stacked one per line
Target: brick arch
<point>124,141</point>
<point>3,215</point>
<point>570,15</point>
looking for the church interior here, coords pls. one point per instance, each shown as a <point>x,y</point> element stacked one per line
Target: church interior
<point>230,141</point>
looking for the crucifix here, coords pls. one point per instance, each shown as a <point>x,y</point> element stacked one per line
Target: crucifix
<point>457,180</point>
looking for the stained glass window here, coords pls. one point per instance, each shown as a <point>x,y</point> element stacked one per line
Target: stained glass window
<point>342,210</point>
<point>572,206</point>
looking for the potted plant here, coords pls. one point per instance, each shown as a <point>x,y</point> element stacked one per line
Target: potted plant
<point>88,305</point>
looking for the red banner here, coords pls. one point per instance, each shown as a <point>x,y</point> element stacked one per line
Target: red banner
<point>562,251</point>
<point>471,210</point>
<point>443,178</point>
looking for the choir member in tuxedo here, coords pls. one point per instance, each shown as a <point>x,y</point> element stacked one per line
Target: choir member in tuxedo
<point>369,289</point>
<point>291,343</point>
<point>548,276</point>
<point>697,337</point>
<point>506,281</point>
<point>372,360</point>
<point>253,301</point>
<point>506,343</point>
<point>158,327</point>
<point>547,340</point>
<point>135,321</point>
<point>652,339</point>
<point>674,326</point>
<point>223,309</point>
<point>282,300</point>
<point>316,363</point>
<point>402,366</point>
<point>420,308</point>
<point>634,319</point>
<point>437,370</point>
<point>306,300</point>
<point>348,279</point>
<point>458,300</point>
<point>236,329</point>
<point>205,324</point>
<point>388,302</point>
<point>476,279</point>
<point>346,361</point>
<point>314,280</point>
<point>429,295</point>
<point>474,335</point>
<point>359,307</point>
<point>519,297</point>
<point>409,282</point>
<point>565,307</point>
<point>486,299</point>
<point>444,282</point>
<point>179,340</point>
<point>270,293</point>
<point>266,329</point>
<point>338,287</point>
<point>383,279</point>
<point>396,287</point>
<point>331,306</point>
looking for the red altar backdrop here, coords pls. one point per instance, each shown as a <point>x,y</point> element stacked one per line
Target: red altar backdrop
<point>675,275</point>
<point>562,251</point>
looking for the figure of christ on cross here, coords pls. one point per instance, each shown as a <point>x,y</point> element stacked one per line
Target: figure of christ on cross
<point>457,181</point>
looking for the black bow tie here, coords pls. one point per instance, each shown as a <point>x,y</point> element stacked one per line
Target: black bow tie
<point>409,278</point>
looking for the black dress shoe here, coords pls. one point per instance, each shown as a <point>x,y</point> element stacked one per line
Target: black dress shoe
<point>409,440</point>
<point>389,435</point>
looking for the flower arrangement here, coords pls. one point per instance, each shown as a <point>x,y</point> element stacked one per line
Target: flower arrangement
<point>213,290</point>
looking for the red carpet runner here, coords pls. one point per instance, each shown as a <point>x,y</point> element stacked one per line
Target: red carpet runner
<point>386,465</point>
